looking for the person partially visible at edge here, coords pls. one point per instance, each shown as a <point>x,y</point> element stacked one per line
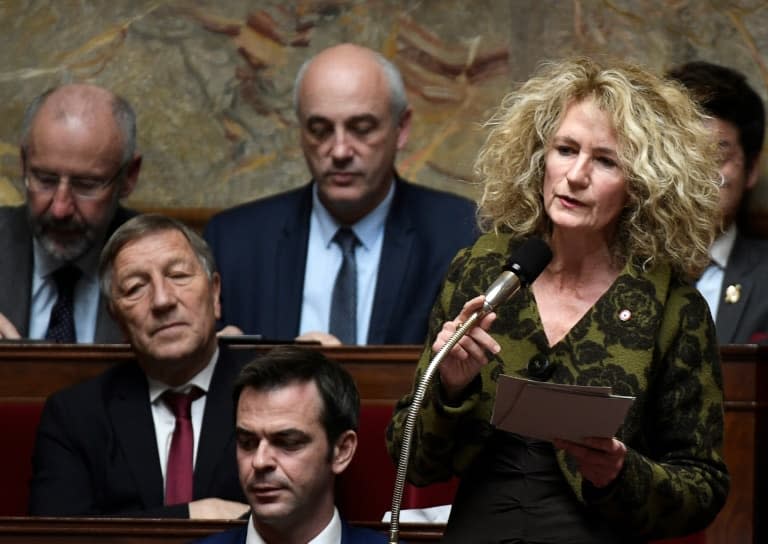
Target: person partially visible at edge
<point>296,422</point>
<point>734,282</point>
<point>151,437</point>
<point>615,169</point>
<point>78,159</point>
<point>354,118</point>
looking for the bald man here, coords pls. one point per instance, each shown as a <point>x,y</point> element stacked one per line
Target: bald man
<point>296,278</point>
<point>78,159</point>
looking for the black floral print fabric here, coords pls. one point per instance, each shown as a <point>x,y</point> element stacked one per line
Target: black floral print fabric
<point>650,336</point>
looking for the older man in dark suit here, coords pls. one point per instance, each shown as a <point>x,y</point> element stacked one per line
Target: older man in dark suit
<point>152,437</point>
<point>78,160</point>
<point>358,255</point>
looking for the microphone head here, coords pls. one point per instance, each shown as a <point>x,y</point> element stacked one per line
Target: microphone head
<point>530,259</point>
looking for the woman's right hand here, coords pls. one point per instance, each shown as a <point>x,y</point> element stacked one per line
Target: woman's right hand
<point>465,360</point>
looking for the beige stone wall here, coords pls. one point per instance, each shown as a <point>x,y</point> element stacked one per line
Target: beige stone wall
<point>211,80</point>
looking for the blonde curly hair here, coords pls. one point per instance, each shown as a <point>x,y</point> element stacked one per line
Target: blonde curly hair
<point>666,152</point>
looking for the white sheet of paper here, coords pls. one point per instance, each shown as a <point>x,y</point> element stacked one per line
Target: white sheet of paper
<point>546,411</point>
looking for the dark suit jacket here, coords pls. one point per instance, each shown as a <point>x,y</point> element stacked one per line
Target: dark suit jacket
<point>349,535</point>
<point>745,321</point>
<point>261,248</point>
<point>96,453</point>
<point>16,273</point>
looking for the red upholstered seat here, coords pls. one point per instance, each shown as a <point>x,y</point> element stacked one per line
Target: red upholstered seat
<point>364,490</point>
<point>18,423</point>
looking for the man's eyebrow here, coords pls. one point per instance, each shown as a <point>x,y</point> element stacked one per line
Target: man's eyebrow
<point>290,432</point>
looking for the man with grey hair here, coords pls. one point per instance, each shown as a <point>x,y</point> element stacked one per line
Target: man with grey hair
<point>78,159</point>
<point>152,437</point>
<point>356,256</point>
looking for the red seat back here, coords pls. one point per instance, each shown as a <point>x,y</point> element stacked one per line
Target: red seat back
<point>364,490</point>
<point>18,424</point>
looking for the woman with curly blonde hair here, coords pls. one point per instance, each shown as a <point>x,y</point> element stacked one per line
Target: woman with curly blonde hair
<point>615,169</point>
<point>667,155</point>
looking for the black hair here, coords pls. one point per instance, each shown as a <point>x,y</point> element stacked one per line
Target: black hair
<point>724,93</point>
<point>286,365</point>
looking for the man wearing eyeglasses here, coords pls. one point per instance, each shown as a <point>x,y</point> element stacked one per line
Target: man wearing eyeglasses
<point>78,159</point>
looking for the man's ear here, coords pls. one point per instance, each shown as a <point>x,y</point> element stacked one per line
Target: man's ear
<point>404,128</point>
<point>343,451</point>
<point>216,294</point>
<point>754,173</point>
<point>131,176</point>
<point>22,160</point>
<point>116,318</point>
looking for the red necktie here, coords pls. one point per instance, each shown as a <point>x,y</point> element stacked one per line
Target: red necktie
<point>179,472</point>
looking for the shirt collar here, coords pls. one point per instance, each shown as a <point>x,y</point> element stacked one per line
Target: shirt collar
<point>202,380</point>
<point>366,230</point>
<point>330,535</point>
<point>723,245</point>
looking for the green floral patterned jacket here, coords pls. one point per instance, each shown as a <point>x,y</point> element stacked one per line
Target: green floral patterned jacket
<point>663,352</point>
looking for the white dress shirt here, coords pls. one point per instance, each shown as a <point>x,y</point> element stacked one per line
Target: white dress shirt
<point>324,258</point>
<point>164,419</point>
<point>330,535</point>
<point>710,284</point>
<point>44,294</point>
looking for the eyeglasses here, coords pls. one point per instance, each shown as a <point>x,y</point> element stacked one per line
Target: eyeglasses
<point>38,181</point>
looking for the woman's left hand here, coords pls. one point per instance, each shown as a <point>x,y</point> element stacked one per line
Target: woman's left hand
<point>599,459</point>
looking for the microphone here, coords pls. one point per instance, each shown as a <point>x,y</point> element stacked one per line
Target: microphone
<point>522,269</point>
<point>531,258</point>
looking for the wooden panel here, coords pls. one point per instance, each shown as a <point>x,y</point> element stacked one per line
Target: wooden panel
<point>34,371</point>
<point>152,531</point>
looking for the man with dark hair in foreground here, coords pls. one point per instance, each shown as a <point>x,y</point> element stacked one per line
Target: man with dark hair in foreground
<point>296,421</point>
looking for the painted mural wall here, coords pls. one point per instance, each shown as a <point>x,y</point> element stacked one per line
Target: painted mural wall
<point>212,81</point>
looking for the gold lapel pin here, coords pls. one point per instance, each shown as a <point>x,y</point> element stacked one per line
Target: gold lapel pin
<point>733,293</point>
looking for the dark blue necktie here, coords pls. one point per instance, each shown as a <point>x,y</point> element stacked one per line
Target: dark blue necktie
<point>343,321</point>
<point>61,325</point>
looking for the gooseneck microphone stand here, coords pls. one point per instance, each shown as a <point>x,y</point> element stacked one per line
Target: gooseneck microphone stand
<point>504,287</point>
<point>532,257</point>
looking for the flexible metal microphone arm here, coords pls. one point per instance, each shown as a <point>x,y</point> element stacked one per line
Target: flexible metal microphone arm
<point>534,255</point>
<point>410,423</point>
<point>503,288</point>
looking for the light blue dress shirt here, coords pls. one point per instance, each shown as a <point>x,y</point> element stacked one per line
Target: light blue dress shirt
<point>324,260</point>
<point>44,294</point>
<point>710,285</point>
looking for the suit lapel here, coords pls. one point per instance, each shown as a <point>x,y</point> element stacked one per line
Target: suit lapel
<point>289,266</point>
<point>218,425</point>
<point>393,264</point>
<point>729,314</point>
<point>16,268</point>
<point>131,416</point>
